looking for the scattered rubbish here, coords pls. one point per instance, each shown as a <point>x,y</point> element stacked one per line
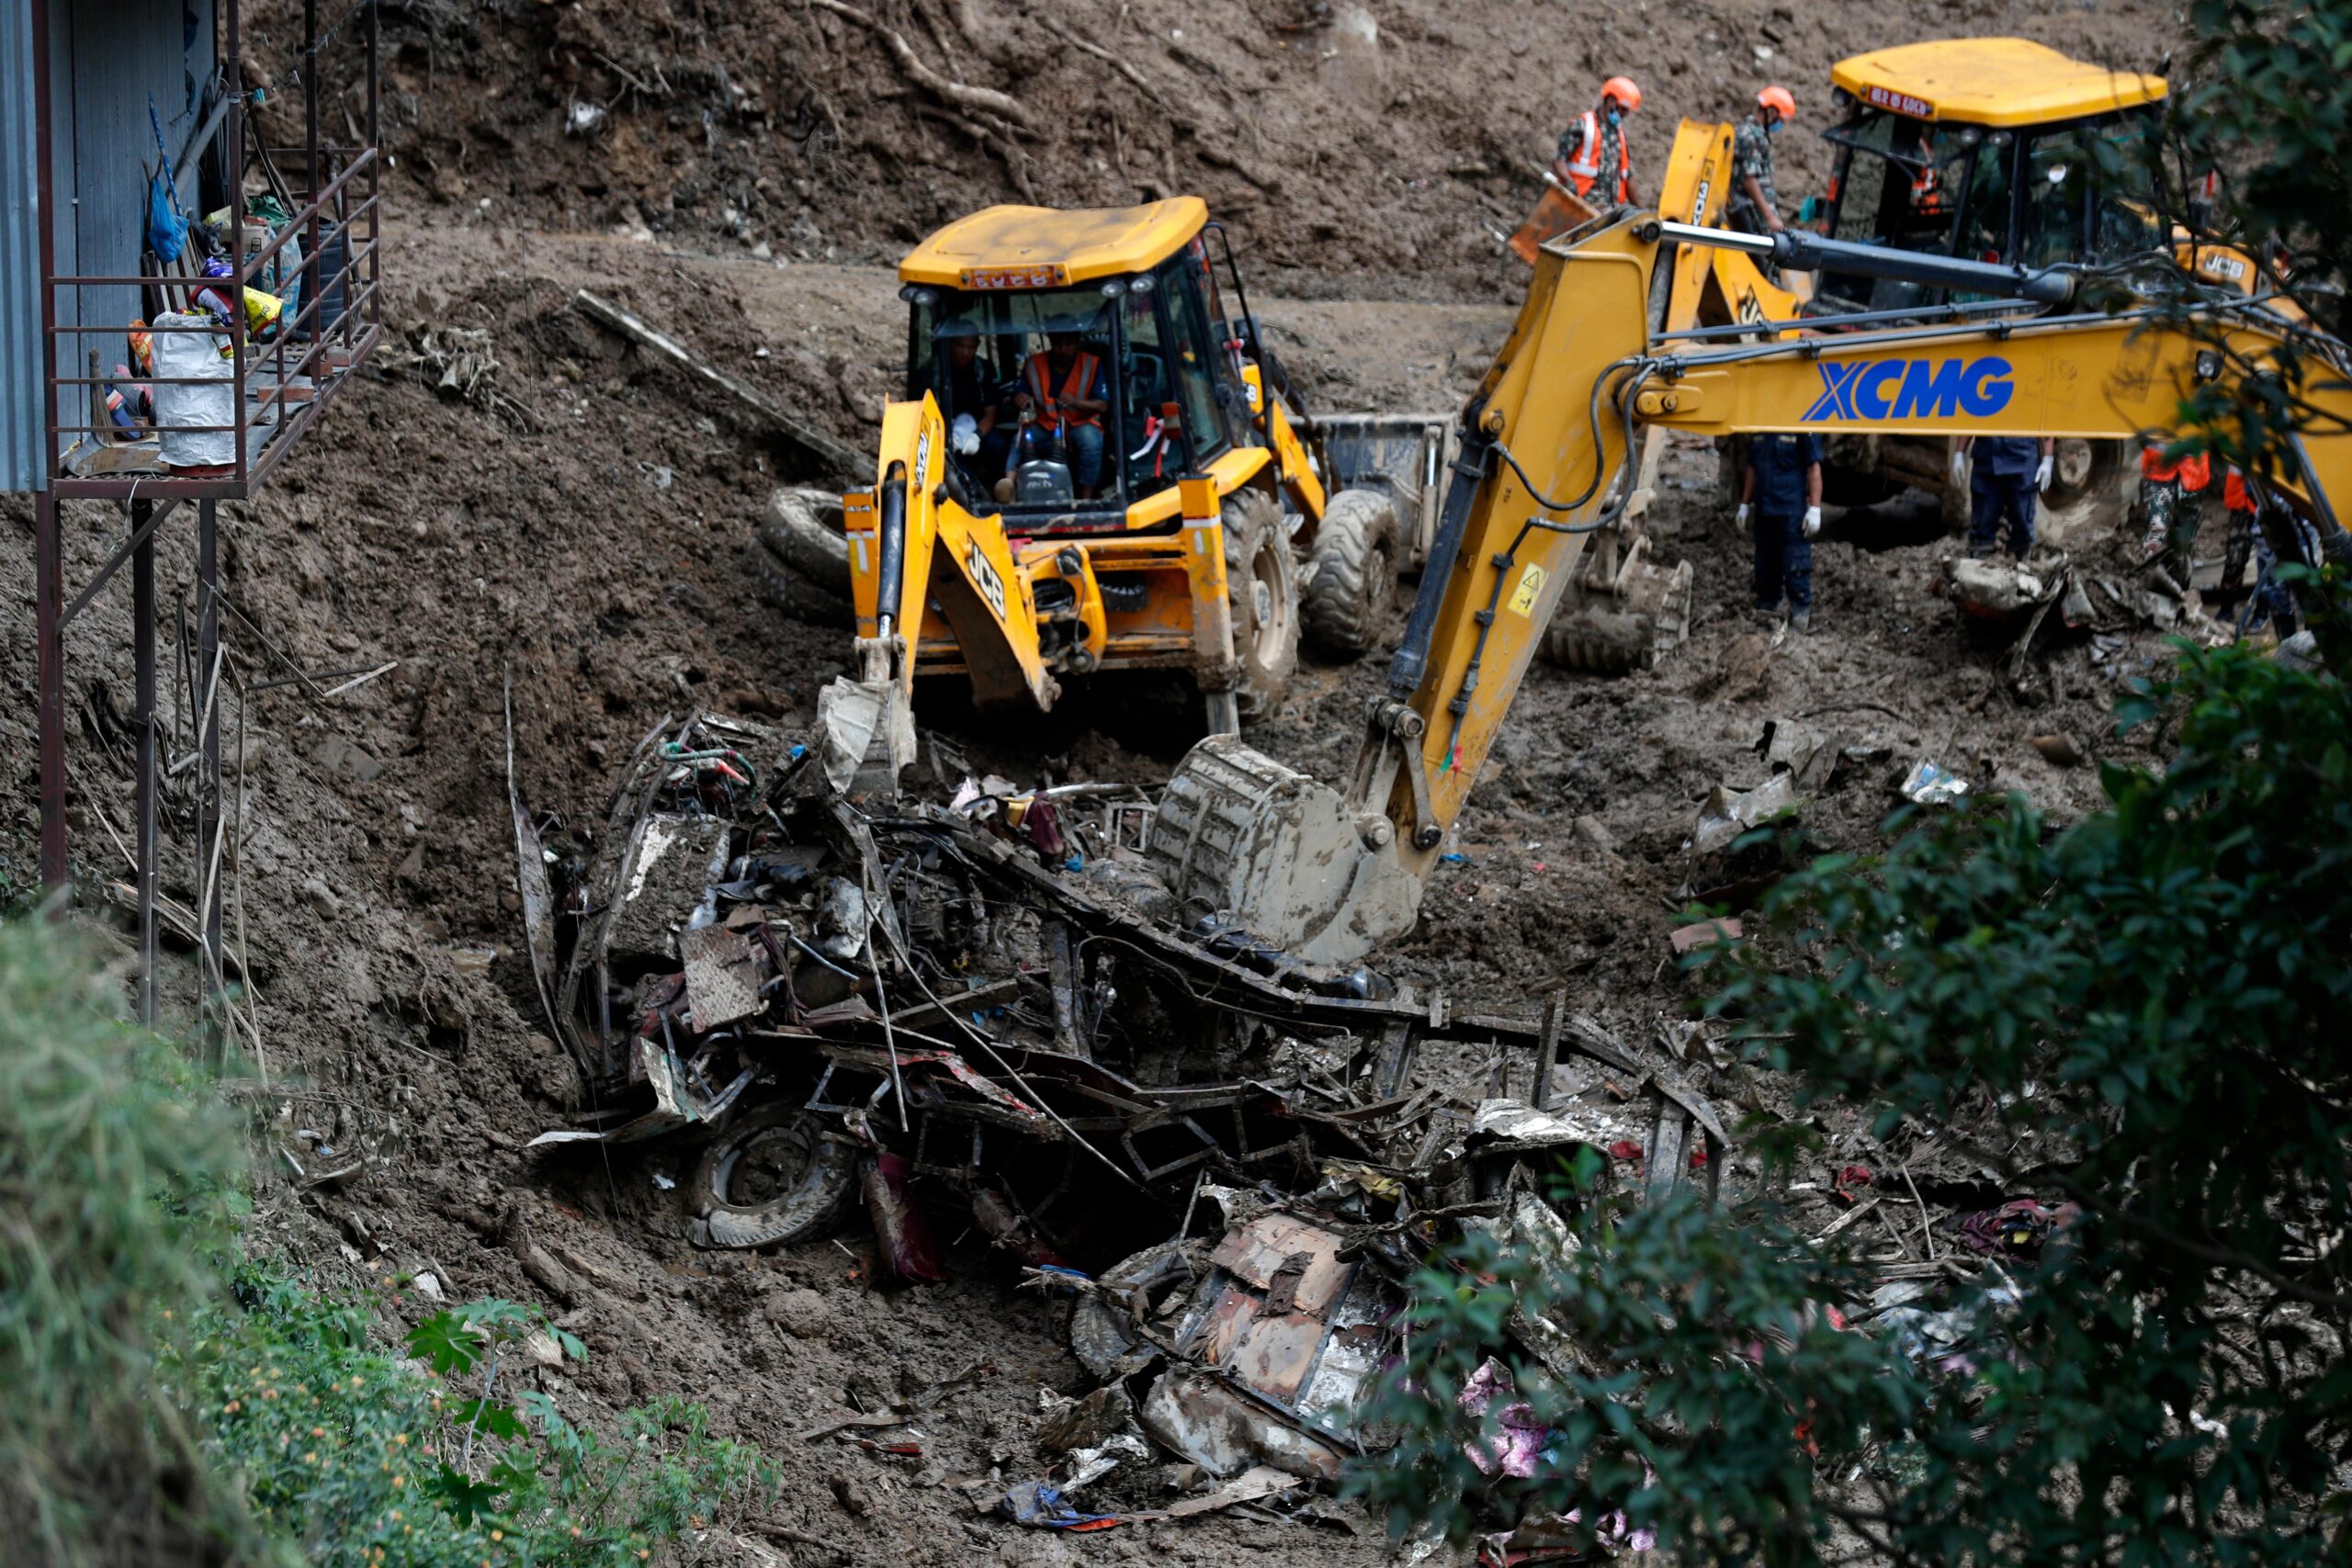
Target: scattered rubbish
<point>1704,933</point>
<point>969,1015</point>
<point>1729,813</point>
<point>2016,1230</point>
<point>1931,785</point>
<point>1041,1505</point>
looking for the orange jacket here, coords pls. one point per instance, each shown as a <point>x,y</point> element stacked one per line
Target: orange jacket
<point>2234,494</point>
<point>1585,168</point>
<point>1079,383</point>
<point>2194,472</point>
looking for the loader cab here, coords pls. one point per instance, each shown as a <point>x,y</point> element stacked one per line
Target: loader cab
<point>1134,286</point>
<point>1983,149</point>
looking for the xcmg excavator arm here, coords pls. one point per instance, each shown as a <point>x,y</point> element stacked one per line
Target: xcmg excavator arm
<point>1327,875</point>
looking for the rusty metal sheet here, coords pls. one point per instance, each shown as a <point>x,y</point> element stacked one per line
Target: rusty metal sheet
<point>723,976</point>
<point>1275,1353</point>
<point>1259,1251</point>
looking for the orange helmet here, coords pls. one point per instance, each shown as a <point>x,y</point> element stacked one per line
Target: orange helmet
<point>1621,88</point>
<point>1780,100</point>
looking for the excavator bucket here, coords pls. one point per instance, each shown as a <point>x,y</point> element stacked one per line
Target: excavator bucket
<point>1242,837</point>
<point>1558,211</point>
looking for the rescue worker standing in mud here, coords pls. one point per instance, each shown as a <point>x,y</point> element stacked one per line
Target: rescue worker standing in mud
<point>1781,489</point>
<point>1593,155</point>
<point>2006,474</point>
<point>1755,204</point>
<point>2172,495</point>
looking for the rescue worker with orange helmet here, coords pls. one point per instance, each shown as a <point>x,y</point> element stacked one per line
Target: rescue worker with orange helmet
<point>1593,155</point>
<point>1755,204</point>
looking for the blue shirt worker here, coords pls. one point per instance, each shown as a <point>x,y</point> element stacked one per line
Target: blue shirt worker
<point>1780,496</point>
<point>2005,475</point>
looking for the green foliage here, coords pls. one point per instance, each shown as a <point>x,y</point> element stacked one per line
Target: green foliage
<point>1704,1390</point>
<point>2145,1014</point>
<point>117,1172</point>
<point>359,1458</point>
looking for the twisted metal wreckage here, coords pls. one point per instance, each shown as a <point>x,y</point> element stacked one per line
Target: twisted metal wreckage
<point>993,1003</point>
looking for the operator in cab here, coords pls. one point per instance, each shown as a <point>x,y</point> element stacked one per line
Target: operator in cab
<point>1067,391</point>
<point>1593,154</point>
<point>1755,204</point>
<point>1779,493</point>
<point>970,396</point>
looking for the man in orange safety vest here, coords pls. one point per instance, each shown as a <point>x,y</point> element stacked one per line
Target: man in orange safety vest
<point>1064,387</point>
<point>1593,155</point>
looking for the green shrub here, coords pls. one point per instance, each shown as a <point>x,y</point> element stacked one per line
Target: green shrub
<point>2143,1015</point>
<point>117,1186</point>
<point>448,1456</point>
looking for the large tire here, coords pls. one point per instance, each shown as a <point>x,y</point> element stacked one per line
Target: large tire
<point>1351,581</point>
<point>803,557</point>
<point>786,589</point>
<point>1262,590</point>
<point>2092,491</point>
<point>772,1177</point>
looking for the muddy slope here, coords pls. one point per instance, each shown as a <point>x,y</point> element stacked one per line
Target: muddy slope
<point>1357,148</point>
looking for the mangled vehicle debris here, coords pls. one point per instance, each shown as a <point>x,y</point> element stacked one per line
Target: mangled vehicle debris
<point>974,1011</point>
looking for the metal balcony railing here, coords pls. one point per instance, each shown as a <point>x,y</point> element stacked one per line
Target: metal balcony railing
<point>280,380</point>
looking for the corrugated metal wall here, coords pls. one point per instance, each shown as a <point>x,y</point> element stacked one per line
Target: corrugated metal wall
<point>21,463</point>
<point>107,59</point>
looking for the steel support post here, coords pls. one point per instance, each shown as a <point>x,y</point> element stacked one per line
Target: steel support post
<point>143,634</point>
<point>49,611</point>
<point>209,825</point>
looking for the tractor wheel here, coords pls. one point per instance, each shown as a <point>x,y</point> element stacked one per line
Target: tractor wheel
<point>2093,487</point>
<point>771,1178</point>
<point>1262,588</point>
<point>1351,580</point>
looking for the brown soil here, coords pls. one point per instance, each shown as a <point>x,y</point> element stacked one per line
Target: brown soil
<point>590,537</point>
<point>1357,149</point>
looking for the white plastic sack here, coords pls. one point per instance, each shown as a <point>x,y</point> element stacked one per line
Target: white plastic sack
<point>196,356</point>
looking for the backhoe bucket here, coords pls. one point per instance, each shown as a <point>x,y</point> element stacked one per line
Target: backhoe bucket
<point>866,735</point>
<point>1242,837</point>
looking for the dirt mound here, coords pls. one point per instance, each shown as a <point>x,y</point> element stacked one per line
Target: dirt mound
<point>1354,147</point>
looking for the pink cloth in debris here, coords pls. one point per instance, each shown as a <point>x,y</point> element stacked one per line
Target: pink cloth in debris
<point>1517,1441</point>
<point>1519,1436</point>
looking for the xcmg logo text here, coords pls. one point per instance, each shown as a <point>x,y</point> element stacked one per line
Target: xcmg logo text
<point>1909,388</point>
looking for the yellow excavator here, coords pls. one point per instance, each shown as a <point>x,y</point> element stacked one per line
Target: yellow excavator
<point>1091,468</point>
<point>1981,149</point>
<point>1543,470</point>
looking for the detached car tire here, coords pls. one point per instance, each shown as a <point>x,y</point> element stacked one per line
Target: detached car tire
<point>774,1177</point>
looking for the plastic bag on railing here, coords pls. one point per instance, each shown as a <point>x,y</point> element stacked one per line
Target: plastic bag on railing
<point>184,358</point>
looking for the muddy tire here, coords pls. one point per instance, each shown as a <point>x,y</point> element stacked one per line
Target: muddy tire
<point>1351,580</point>
<point>802,528</point>
<point>1262,588</point>
<point>2093,487</point>
<point>772,1179</point>
<point>1099,1335</point>
<point>798,597</point>
<point>803,557</point>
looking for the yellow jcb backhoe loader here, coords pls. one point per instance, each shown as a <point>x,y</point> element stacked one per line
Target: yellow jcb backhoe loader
<point>1980,148</point>
<point>1543,469</point>
<point>1098,466</point>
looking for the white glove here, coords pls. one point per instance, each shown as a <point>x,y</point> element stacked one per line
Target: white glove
<point>2042,477</point>
<point>1740,516</point>
<point>1812,521</point>
<point>965,437</point>
<point>1959,465</point>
